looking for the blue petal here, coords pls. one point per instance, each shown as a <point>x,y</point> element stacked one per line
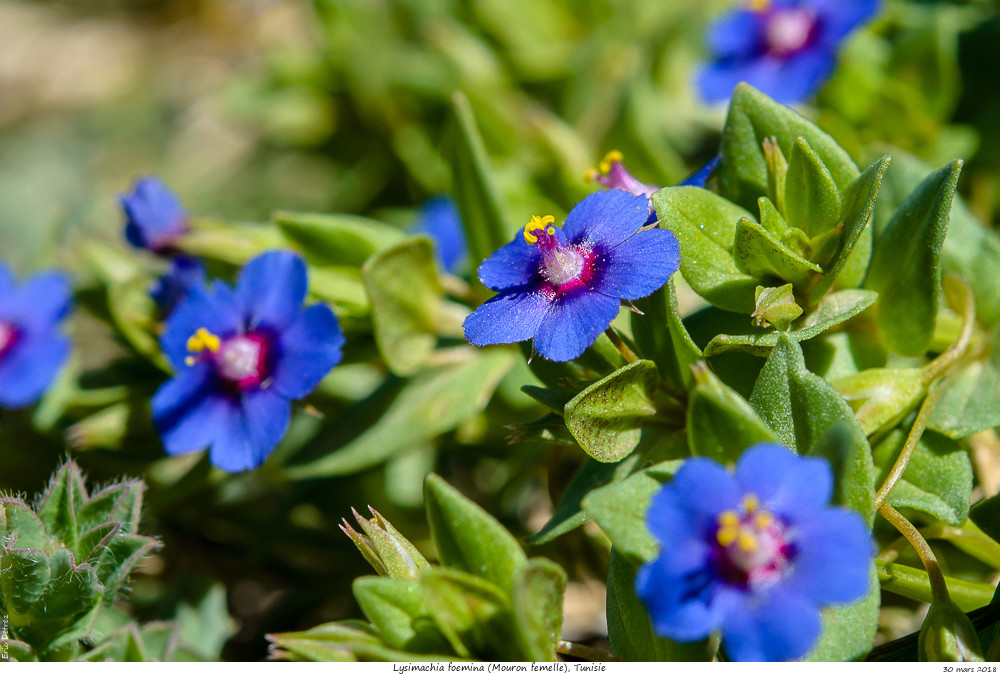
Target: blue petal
<point>169,290</point>
<point>785,483</point>
<point>606,218</point>
<point>704,488</point>
<point>40,302</point>
<point>307,350</point>
<point>573,322</point>
<point>787,80</point>
<point>272,288</point>
<point>155,215</point>
<point>190,409</point>
<point>639,265</point>
<point>251,431</point>
<point>833,557</point>
<point>668,521</point>
<point>511,316</point>
<point>7,280</point>
<point>701,176</point>
<point>778,627</point>
<point>840,17</point>
<point>215,308</point>
<point>684,598</point>
<point>440,219</point>
<point>29,367</point>
<point>738,35</point>
<point>513,265</point>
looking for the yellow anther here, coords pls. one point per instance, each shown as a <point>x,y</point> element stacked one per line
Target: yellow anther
<point>610,158</point>
<point>751,503</point>
<point>729,519</point>
<point>759,5</point>
<point>747,540</point>
<point>538,223</point>
<point>727,534</point>
<point>190,361</point>
<point>202,340</point>
<point>591,175</point>
<point>763,520</point>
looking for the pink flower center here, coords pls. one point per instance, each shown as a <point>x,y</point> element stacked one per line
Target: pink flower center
<point>240,360</point>
<point>564,266</point>
<point>789,30</point>
<point>8,336</point>
<point>753,545</point>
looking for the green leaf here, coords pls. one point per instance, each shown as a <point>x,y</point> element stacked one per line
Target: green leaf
<point>620,510</point>
<point>836,308</point>
<point>24,579</point>
<point>850,262</point>
<point>205,624</point>
<point>398,612</point>
<point>472,613</point>
<point>938,477</point>
<point>763,256</point>
<point>970,397</point>
<point>882,396</point>
<point>16,651</point>
<point>720,422</point>
<point>906,263</point>
<point>119,556</point>
<point>754,117</point>
<point>848,630</point>
<point>803,409</point>
<point>17,518</point>
<point>427,405</point>
<point>340,642</point>
<point>771,218</point>
<point>60,500</point>
<point>467,537</point>
<point>915,584</point>
<point>73,589</point>
<point>606,418</point>
<point>476,194</point>
<point>705,225</point>
<point>135,315</point>
<point>630,630</point>
<point>119,502</point>
<point>775,307</point>
<point>812,202</point>
<point>405,293</point>
<point>336,238</point>
<point>539,588</point>
<point>672,350</point>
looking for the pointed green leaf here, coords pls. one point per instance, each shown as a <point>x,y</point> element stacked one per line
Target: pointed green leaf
<point>204,624</point>
<point>17,518</point>
<point>720,422</point>
<point>398,612</point>
<point>705,225</point>
<point>771,219</point>
<point>468,538</point>
<point>915,584</point>
<point>73,589</point>
<point>881,396</point>
<point>762,256</point>
<point>472,613</point>
<point>336,238</point>
<point>775,307</point>
<point>24,579</point>
<point>606,418</point>
<point>93,540</point>
<point>970,397</point>
<point>906,263</point>
<point>672,350</point>
<point>537,599</point>
<point>812,202</point>
<point>119,556</point>
<point>63,496</point>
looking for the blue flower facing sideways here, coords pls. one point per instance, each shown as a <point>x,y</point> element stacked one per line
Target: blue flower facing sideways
<point>440,220</point>
<point>563,286</point>
<point>184,274</point>
<point>785,48</point>
<point>154,215</point>
<point>755,554</point>
<point>32,346</point>
<point>241,356</point>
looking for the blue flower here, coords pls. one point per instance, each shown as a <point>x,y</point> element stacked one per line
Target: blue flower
<point>242,355</point>
<point>32,347</point>
<point>155,217</point>
<point>184,274</point>
<point>562,287</point>
<point>785,48</point>
<point>754,554</point>
<point>439,218</point>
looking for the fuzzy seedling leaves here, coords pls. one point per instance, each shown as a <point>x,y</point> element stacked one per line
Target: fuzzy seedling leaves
<point>336,239</point>
<point>73,589</point>
<point>119,503</point>
<point>606,418</point>
<point>472,613</point>
<point>938,477</point>
<point>620,510</point>
<point>398,612</point>
<point>17,519</point>
<point>539,588</point>
<point>812,202</point>
<point>405,293</point>
<point>848,630</point>
<point>752,118</point>
<point>64,495</point>
<point>881,396</point>
<point>672,350</point>
<point>467,538</point>
<point>762,256</point>
<point>850,261</point>
<point>24,580</point>
<point>906,263</point>
<point>630,630</point>
<point>721,424</point>
<point>475,191</point>
<point>705,225</point>
<point>117,559</point>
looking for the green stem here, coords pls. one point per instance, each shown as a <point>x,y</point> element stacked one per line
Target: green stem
<point>584,652</point>
<point>939,589</point>
<point>914,583</point>
<point>967,308</point>
<point>620,345</point>
<point>916,431</point>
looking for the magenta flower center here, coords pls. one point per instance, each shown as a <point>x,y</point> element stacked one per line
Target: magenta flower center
<point>754,547</point>
<point>789,30</point>
<point>564,266</point>
<point>8,336</point>
<point>240,360</point>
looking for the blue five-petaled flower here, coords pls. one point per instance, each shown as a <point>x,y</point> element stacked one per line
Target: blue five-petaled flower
<point>754,554</point>
<point>32,346</point>
<point>155,218</point>
<point>562,287</point>
<point>439,219</point>
<point>785,48</point>
<point>241,356</point>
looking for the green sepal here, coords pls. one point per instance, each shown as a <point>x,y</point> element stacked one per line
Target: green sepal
<point>948,635</point>
<point>775,307</point>
<point>24,581</point>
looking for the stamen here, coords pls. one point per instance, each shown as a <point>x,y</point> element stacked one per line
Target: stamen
<point>751,503</point>
<point>759,5</point>
<point>763,520</point>
<point>747,540</point>
<point>727,535</point>
<point>202,340</point>
<point>610,158</point>
<point>729,518</point>
<point>538,223</point>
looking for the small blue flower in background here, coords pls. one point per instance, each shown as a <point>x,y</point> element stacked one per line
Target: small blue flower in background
<point>32,347</point>
<point>241,356</point>
<point>754,554</point>
<point>785,48</point>
<point>184,274</point>
<point>155,217</point>
<point>562,287</point>
<point>439,218</point>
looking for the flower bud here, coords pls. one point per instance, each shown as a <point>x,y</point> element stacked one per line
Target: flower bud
<point>948,635</point>
<point>389,552</point>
